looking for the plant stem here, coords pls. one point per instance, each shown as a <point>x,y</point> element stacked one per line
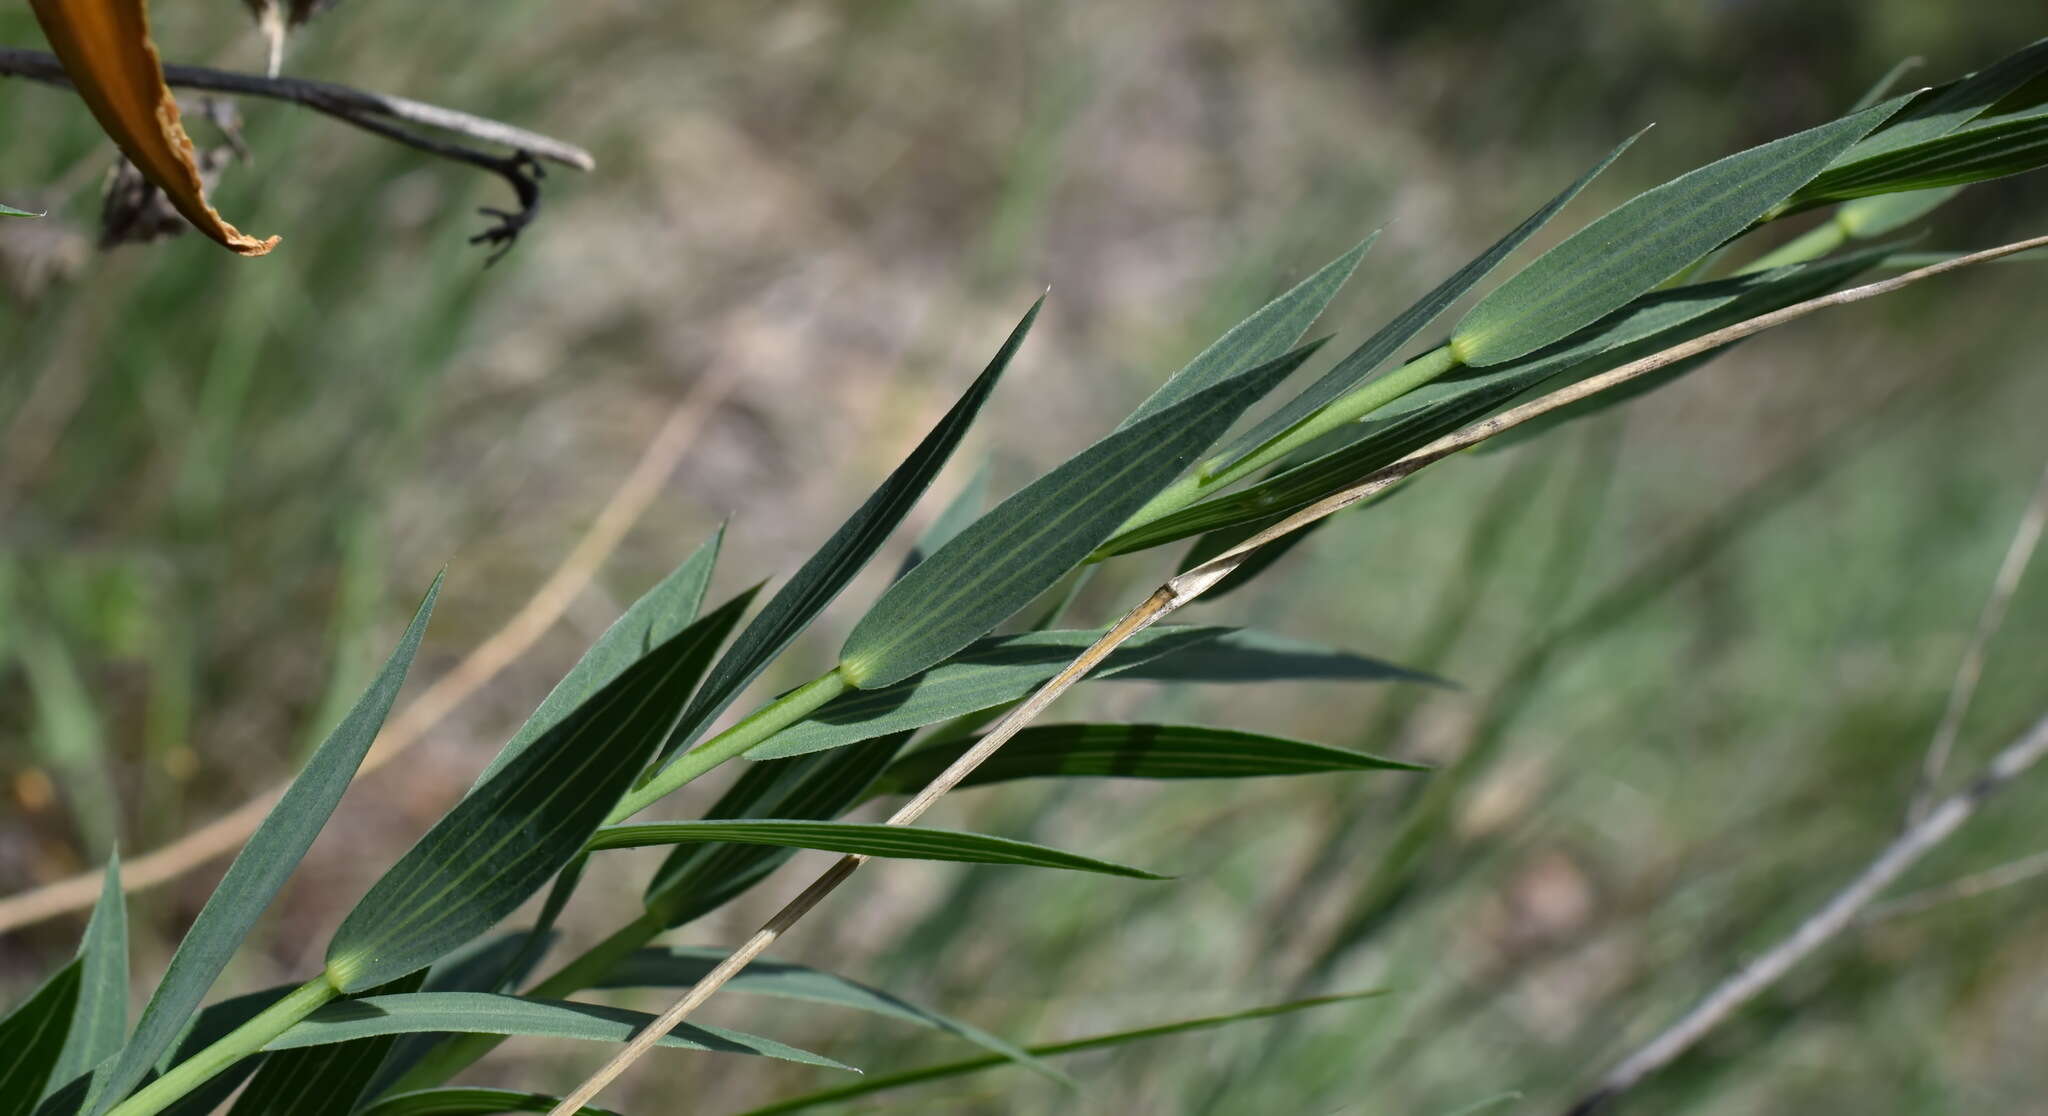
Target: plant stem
<point>763,723</point>
<point>237,1044</point>
<point>1216,473</point>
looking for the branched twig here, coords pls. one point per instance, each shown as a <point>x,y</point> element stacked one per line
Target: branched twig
<point>1191,584</point>
<point>1832,918</point>
<point>225,834</point>
<point>1969,887</point>
<point>379,114</point>
<point>2017,554</point>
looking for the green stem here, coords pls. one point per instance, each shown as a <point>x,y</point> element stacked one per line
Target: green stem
<point>763,723</point>
<point>236,1045</point>
<point>1215,474</point>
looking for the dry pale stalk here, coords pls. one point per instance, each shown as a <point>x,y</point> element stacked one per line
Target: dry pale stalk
<point>1193,583</point>
<point>1943,819</point>
<point>1971,667</point>
<point>225,834</point>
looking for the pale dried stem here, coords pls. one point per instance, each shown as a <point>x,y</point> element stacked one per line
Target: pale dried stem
<point>1180,590</point>
<point>628,503</point>
<point>1971,667</point>
<point>1969,887</point>
<point>1823,925</point>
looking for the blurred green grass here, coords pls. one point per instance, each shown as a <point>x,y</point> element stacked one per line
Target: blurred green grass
<point>223,481</point>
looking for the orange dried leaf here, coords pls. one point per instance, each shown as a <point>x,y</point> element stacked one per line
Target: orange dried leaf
<point>106,49</point>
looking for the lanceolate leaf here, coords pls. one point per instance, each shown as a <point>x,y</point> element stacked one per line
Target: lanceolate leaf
<point>322,1080</point>
<point>502,842</point>
<point>1246,655</point>
<point>683,966</point>
<point>1652,323</point>
<point>1937,112</point>
<point>882,1083</point>
<point>1647,240</point>
<point>1991,148</point>
<point>261,869</point>
<point>10,211</point>
<point>892,841</point>
<point>479,967</point>
<point>697,879</point>
<point>470,1102</point>
<point>486,1013</point>
<point>31,1038</point>
<point>653,620</point>
<point>107,53</point>
<point>843,555</point>
<point>1264,336</point>
<point>989,673</point>
<point>101,1020</point>
<point>1353,369</point>
<point>1132,752</point>
<point>1014,553</point>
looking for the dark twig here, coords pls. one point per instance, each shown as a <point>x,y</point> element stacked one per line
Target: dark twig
<point>380,115</point>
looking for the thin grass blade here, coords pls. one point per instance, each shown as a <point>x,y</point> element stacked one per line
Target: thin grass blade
<point>1019,550</point>
<point>487,1013</point>
<point>101,1019</point>
<point>1647,240</point>
<point>1133,752</point>
<point>683,966</point>
<point>896,842</point>
<point>470,1102</point>
<point>886,1082</point>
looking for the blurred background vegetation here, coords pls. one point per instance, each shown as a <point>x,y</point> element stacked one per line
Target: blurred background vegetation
<point>1701,640</point>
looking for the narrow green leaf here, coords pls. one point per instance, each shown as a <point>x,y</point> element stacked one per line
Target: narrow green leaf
<point>261,869</point>
<point>1248,655</point>
<point>1132,752</point>
<point>1354,369</point>
<point>10,211</point>
<point>32,1038</point>
<point>101,1021</point>
<point>322,1080</point>
<point>1649,324</point>
<point>1014,553</point>
<point>658,616</point>
<point>964,508</point>
<point>683,966</point>
<point>470,1102</point>
<point>1937,112</point>
<point>1266,335</point>
<point>1647,240</point>
<point>825,573</point>
<point>897,842</point>
<point>479,967</point>
<point>486,1013</point>
<point>1992,148</point>
<point>883,1083</point>
<point>1883,85</point>
<point>509,835</point>
<point>543,929</point>
<point>698,879</point>
<point>989,673</point>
